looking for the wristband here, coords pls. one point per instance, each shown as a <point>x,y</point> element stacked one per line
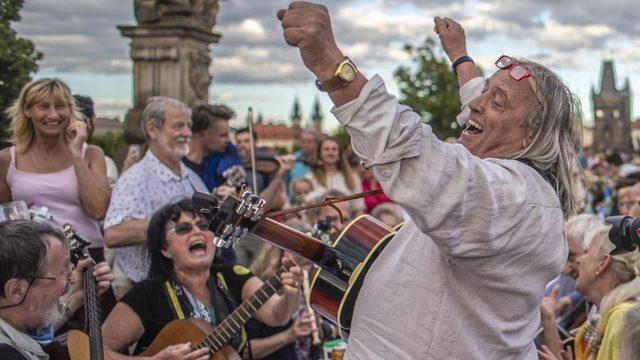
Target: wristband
<point>459,61</point>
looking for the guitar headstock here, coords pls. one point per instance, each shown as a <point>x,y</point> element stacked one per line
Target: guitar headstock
<point>77,245</point>
<point>231,220</point>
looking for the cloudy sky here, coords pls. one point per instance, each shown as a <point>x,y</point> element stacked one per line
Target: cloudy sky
<point>253,66</point>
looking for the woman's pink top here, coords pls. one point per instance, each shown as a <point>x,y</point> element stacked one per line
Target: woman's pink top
<point>59,192</point>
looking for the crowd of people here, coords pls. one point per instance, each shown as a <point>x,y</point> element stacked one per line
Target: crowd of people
<point>144,232</point>
<point>512,209</point>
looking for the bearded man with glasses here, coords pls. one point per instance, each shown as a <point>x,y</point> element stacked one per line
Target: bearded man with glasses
<point>38,287</point>
<point>463,279</point>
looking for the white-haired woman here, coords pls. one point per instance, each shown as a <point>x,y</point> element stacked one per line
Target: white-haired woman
<point>50,164</point>
<point>612,284</point>
<point>575,231</point>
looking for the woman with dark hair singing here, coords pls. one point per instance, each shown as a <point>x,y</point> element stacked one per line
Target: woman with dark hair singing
<point>183,283</point>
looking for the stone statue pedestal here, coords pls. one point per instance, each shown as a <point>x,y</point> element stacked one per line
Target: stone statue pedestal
<point>171,56</point>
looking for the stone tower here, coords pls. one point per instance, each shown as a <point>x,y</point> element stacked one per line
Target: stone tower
<point>611,113</point>
<point>316,115</point>
<point>171,54</point>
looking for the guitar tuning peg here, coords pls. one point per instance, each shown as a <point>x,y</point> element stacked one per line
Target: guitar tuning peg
<point>235,242</point>
<point>246,196</point>
<point>218,242</point>
<point>227,231</point>
<point>261,203</point>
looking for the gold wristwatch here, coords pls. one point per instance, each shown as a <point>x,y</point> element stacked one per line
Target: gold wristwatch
<point>345,73</point>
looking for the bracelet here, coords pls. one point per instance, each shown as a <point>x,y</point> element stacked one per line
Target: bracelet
<point>459,61</point>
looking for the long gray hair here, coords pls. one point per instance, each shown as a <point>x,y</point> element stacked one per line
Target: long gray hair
<point>556,125</point>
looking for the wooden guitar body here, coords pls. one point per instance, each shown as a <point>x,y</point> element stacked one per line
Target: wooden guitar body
<point>342,266</point>
<point>183,331</point>
<point>334,291</point>
<point>78,346</point>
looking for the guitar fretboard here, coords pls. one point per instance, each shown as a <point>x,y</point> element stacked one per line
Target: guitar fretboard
<point>222,334</point>
<point>93,315</point>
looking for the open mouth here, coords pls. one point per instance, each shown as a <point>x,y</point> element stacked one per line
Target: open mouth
<point>473,128</point>
<point>198,247</point>
<point>52,123</point>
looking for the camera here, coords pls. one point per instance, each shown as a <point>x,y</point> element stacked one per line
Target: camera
<point>624,233</point>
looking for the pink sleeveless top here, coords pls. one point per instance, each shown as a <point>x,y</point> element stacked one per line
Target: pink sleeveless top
<point>58,191</point>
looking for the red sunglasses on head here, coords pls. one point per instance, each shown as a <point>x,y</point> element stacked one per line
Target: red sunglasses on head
<point>518,72</point>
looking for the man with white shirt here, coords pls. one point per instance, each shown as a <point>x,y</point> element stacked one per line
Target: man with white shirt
<point>463,279</point>
<point>159,178</point>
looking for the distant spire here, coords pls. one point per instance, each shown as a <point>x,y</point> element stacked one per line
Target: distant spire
<point>296,118</point>
<point>260,118</point>
<point>608,80</point>
<point>316,113</point>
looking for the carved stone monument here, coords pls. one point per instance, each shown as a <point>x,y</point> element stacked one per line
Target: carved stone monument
<point>170,53</point>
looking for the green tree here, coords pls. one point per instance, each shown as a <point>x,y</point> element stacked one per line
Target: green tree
<point>18,59</point>
<point>113,144</point>
<point>430,88</point>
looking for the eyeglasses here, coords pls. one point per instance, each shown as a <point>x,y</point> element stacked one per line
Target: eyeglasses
<point>518,72</point>
<point>68,278</point>
<point>183,228</point>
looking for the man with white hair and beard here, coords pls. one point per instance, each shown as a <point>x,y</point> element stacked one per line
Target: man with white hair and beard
<point>156,180</point>
<point>38,289</point>
<point>464,277</point>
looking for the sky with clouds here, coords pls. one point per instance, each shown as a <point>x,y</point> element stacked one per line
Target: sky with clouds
<point>252,65</point>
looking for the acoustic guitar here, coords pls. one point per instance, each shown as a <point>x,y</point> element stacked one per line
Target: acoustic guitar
<point>75,344</point>
<point>201,334</point>
<point>342,265</point>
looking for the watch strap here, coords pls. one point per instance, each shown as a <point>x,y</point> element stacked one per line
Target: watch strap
<point>335,82</point>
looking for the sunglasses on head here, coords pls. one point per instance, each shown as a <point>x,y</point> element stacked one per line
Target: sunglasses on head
<point>183,228</point>
<point>518,72</point>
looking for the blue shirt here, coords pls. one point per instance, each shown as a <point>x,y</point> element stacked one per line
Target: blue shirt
<point>215,165</point>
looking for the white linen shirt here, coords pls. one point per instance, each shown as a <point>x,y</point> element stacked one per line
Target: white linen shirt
<point>143,189</point>
<point>464,278</point>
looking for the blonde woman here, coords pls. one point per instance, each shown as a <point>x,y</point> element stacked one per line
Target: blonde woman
<point>50,164</point>
<point>612,284</point>
<point>334,173</point>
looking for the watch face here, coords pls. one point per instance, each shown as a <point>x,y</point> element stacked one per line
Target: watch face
<point>347,72</point>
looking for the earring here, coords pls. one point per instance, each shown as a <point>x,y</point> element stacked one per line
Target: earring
<point>168,255</point>
<point>597,273</point>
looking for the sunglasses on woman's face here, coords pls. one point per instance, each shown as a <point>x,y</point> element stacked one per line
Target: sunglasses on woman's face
<point>183,228</point>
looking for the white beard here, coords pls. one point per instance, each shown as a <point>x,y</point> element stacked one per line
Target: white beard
<point>177,151</point>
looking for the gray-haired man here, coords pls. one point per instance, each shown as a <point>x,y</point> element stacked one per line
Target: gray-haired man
<point>159,178</point>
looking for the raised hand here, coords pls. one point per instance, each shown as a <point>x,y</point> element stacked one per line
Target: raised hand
<point>76,135</point>
<point>548,305</point>
<point>286,163</point>
<point>307,26</point>
<point>451,36</point>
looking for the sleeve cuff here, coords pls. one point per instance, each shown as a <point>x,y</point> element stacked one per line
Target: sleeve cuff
<point>468,92</point>
<point>345,113</point>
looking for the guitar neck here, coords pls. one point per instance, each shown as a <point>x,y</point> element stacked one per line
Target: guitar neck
<point>222,334</point>
<point>92,315</point>
<point>288,239</point>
